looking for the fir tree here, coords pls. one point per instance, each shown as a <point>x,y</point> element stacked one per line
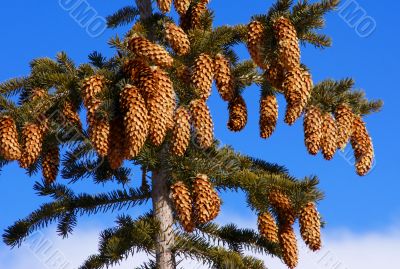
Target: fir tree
<point>145,104</point>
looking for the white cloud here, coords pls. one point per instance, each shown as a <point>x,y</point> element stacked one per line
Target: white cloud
<point>342,250</point>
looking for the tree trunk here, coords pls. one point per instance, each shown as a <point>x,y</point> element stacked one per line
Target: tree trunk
<point>162,208</point>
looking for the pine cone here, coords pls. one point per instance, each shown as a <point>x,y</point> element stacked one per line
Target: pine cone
<point>9,146</point>
<point>177,38</point>
<point>203,202</point>
<point>51,164</point>
<point>362,146</point>
<point>202,77</point>
<point>313,129</point>
<point>328,140</point>
<point>99,132</point>
<point>164,5</point>
<point>70,115</point>
<point>275,75</point>
<point>183,205</point>
<point>237,114</point>
<point>268,115</point>
<point>150,51</point>
<point>134,68</point>
<point>267,227</point>
<point>223,78</point>
<point>135,120</point>
<point>37,94</point>
<point>92,86</point>
<point>116,150</point>
<point>146,81</point>
<point>283,206</point>
<point>288,43</point>
<point>202,123</point>
<point>344,120</point>
<point>196,14</point>
<point>216,205</point>
<point>181,6</point>
<point>288,242</point>
<point>310,227</point>
<point>255,35</point>
<point>181,133</point>
<point>32,139</point>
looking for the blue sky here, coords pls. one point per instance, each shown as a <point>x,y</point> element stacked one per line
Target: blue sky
<point>32,29</point>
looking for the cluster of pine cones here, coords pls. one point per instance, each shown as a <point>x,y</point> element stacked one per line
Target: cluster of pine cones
<point>29,148</point>
<point>284,234</point>
<point>197,207</point>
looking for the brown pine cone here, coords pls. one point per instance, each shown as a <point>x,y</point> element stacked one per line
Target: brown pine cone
<point>310,227</point>
<point>216,208</point>
<point>275,75</point>
<point>92,86</point>
<point>164,5</point>
<point>313,129</point>
<point>267,227</point>
<point>237,114</point>
<point>9,146</point>
<point>116,150</point>
<point>255,35</point>
<point>362,146</point>
<point>202,77</point>
<point>134,68</point>
<point>328,140</point>
<point>181,133</point>
<point>288,43</point>
<point>268,115</point>
<point>37,94</point>
<point>99,132</point>
<point>288,242</point>
<point>181,6</point>
<point>51,163</point>
<point>150,51</point>
<point>283,206</point>
<point>70,115</point>
<point>177,38</point>
<point>203,202</point>
<point>223,78</point>
<point>196,14</point>
<point>344,119</point>
<point>32,139</point>
<point>183,205</point>
<point>202,123</point>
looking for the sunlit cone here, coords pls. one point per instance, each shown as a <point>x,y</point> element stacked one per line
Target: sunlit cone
<point>181,132</point>
<point>182,200</point>
<point>135,67</point>
<point>164,5</point>
<point>150,51</point>
<point>329,134</point>
<point>135,120</point>
<point>177,38</point>
<point>181,6</point>
<point>9,145</point>
<point>196,13</point>
<point>92,86</point>
<point>275,75</point>
<point>237,114</point>
<point>268,115</point>
<point>362,146</point>
<point>202,123</point>
<point>310,226</point>
<point>32,139</point>
<point>288,43</point>
<point>202,77</point>
<point>70,115</point>
<point>267,227</point>
<point>255,35</point>
<point>282,204</point>
<point>216,208</point>
<point>223,78</point>
<point>99,132</point>
<point>288,242</point>
<point>203,202</point>
<point>116,150</point>
<point>344,120</point>
<point>51,163</point>
<point>37,94</point>
<point>312,125</point>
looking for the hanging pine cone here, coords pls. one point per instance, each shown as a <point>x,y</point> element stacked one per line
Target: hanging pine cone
<point>164,5</point>
<point>177,38</point>
<point>150,51</point>
<point>37,94</point>
<point>202,77</point>
<point>135,120</point>
<point>70,115</point>
<point>267,227</point>
<point>328,140</point>
<point>223,78</point>
<point>203,202</point>
<point>135,67</point>
<point>181,133</point>
<point>288,43</point>
<point>283,206</point>
<point>255,35</point>
<point>313,129</point>
<point>183,205</point>
<point>275,75</point>
<point>202,123</point>
<point>32,138</point>
<point>99,132</point>
<point>9,146</point>
<point>344,120</point>
<point>237,114</point>
<point>181,6</point>
<point>310,227</point>
<point>116,150</point>
<point>92,86</point>
<point>196,14</point>
<point>268,115</point>
<point>146,82</point>
<point>288,242</point>
<point>362,146</point>
<point>216,205</point>
<point>51,163</point>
